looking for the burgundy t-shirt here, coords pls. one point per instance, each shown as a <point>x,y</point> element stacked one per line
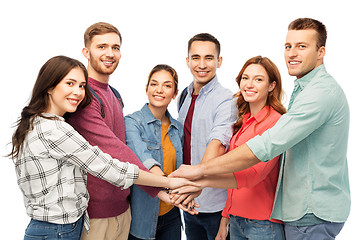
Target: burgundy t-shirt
<point>187,131</point>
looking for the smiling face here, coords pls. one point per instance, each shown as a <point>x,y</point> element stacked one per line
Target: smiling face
<point>203,61</point>
<point>161,90</point>
<point>301,52</point>
<point>68,94</point>
<point>255,87</point>
<point>103,55</point>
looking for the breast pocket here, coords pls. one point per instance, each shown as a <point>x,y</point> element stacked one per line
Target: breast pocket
<point>154,148</point>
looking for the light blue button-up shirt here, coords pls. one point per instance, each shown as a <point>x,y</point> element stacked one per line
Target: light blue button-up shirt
<point>314,133</point>
<point>214,115</point>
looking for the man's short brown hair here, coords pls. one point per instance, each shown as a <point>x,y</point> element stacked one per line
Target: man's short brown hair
<point>99,29</point>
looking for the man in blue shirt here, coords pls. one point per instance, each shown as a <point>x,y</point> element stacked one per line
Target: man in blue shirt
<point>313,193</point>
<point>207,113</point>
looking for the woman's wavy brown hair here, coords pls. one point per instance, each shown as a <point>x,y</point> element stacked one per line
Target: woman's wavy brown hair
<point>274,97</point>
<point>50,74</point>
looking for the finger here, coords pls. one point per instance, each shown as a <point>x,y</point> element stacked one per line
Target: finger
<point>181,199</point>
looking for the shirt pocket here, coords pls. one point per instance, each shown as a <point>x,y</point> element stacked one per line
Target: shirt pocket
<point>154,148</point>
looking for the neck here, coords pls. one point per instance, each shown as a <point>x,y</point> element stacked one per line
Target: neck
<point>104,78</point>
<point>255,108</point>
<point>159,113</point>
<point>198,85</point>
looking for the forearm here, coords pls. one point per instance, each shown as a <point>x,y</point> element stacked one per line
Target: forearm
<point>238,159</point>
<point>213,149</point>
<point>227,180</point>
<point>149,179</point>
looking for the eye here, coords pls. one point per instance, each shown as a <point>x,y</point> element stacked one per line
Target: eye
<point>258,79</point>
<point>287,47</point>
<point>302,46</point>
<point>70,83</point>
<point>244,78</point>
<point>116,48</point>
<point>209,58</point>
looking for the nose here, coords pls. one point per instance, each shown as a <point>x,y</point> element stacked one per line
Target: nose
<point>78,91</point>
<point>202,63</point>
<point>250,83</point>
<point>159,89</point>
<point>109,52</point>
<point>292,52</point>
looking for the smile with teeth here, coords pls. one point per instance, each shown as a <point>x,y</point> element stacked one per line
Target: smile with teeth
<point>157,97</point>
<point>294,62</point>
<point>73,101</point>
<point>108,63</point>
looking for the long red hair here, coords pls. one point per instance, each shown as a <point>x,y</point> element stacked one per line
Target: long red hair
<point>274,98</point>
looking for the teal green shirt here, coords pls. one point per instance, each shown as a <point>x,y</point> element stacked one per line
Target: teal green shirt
<point>314,134</point>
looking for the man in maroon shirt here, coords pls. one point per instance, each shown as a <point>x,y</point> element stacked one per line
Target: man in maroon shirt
<point>108,208</point>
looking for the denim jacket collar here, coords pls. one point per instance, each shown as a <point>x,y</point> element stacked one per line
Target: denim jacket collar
<point>149,116</point>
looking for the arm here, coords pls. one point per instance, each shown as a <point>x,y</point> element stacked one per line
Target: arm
<point>223,229</point>
<point>89,123</point>
<point>213,149</point>
<point>135,135</point>
<point>236,160</point>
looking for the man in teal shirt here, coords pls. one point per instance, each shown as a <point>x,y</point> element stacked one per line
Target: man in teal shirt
<point>313,193</point>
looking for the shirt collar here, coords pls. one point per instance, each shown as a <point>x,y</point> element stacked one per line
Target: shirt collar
<point>205,89</point>
<point>51,115</point>
<point>97,83</point>
<point>258,117</point>
<point>302,82</point>
<point>149,116</point>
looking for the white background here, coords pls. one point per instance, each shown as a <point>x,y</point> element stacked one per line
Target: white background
<point>157,32</point>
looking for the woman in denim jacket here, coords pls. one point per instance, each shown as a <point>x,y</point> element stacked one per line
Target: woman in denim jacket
<point>156,138</point>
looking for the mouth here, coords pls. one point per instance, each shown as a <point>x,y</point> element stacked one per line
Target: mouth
<point>202,73</point>
<point>108,63</point>
<point>249,92</point>
<point>157,97</point>
<point>73,101</point>
<point>294,63</point>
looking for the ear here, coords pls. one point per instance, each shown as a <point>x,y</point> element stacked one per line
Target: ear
<point>321,52</point>
<point>50,91</point>
<point>175,94</point>
<point>220,59</point>
<point>86,53</point>
<point>187,62</point>
<point>272,86</point>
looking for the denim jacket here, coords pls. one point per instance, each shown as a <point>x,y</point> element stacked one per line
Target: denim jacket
<point>143,136</point>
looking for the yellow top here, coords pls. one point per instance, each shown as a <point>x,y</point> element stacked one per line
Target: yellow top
<point>169,155</point>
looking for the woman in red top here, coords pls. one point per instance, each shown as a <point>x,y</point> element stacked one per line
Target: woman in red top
<point>249,205</point>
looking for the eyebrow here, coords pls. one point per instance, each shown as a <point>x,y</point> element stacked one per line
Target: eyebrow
<point>197,55</point>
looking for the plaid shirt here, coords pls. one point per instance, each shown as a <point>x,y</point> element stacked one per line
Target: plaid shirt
<point>51,171</point>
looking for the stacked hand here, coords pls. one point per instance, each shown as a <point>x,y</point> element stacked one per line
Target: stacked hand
<point>182,192</point>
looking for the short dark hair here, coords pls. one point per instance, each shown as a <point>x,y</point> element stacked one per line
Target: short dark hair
<point>309,23</point>
<point>99,29</point>
<point>205,37</point>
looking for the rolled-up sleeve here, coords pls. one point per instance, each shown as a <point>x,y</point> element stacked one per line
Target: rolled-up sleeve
<point>306,115</point>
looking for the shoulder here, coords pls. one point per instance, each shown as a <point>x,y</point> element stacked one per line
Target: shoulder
<point>222,92</point>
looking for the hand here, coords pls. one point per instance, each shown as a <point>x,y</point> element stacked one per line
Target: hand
<point>189,172</point>
<point>184,199</point>
<point>223,229</point>
<point>165,197</point>
<point>174,183</point>
<point>187,189</point>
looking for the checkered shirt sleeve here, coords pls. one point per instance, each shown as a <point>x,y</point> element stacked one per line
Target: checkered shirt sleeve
<point>51,171</point>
